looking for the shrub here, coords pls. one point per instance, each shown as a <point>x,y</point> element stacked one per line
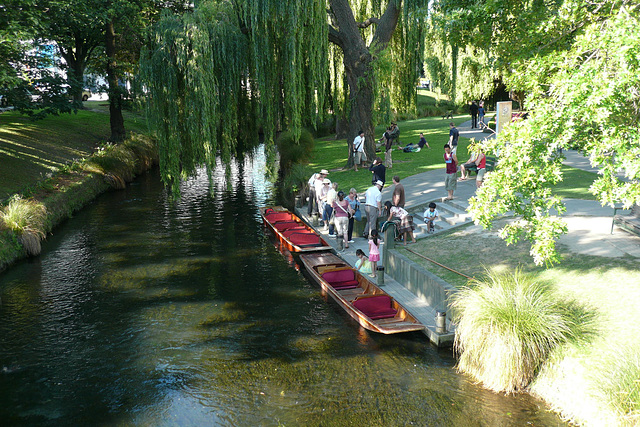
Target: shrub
<point>145,150</point>
<point>116,162</point>
<point>294,183</point>
<point>507,325</point>
<point>26,218</point>
<point>294,151</point>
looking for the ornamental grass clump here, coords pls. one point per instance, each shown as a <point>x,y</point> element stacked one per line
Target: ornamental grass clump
<point>619,385</point>
<point>508,324</point>
<point>116,162</point>
<point>26,218</point>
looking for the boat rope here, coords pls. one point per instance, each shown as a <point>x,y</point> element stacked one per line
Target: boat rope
<point>437,263</point>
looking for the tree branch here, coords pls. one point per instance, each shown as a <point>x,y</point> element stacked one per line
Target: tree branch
<point>368,22</point>
<point>334,36</point>
<point>387,25</point>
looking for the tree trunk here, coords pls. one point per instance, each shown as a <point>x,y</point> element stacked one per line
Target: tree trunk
<point>358,59</point>
<point>358,67</point>
<point>115,95</point>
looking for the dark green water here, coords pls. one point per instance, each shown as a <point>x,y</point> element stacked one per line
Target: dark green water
<point>141,311</point>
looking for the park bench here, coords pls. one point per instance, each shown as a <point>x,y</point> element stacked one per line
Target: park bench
<point>630,223</point>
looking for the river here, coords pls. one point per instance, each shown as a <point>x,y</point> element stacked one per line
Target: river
<point>145,311</point>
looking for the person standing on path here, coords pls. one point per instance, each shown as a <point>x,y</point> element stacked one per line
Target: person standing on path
<point>319,187</point>
<point>332,194</point>
<point>374,252</point>
<point>388,151</point>
<point>313,206</point>
<point>454,134</point>
<point>398,193</point>
<point>372,207</point>
<point>354,204</point>
<point>379,171</point>
<point>473,109</point>
<point>359,157</point>
<point>451,179</point>
<point>481,115</point>
<point>342,212</point>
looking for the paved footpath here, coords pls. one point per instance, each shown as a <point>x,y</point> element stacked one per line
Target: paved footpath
<point>589,224</point>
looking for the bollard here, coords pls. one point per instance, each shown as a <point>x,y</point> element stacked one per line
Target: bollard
<point>298,201</point>
<point>340,242</point>
<point>441,322</point>
<point>380,275</point>
<point>314,219</point>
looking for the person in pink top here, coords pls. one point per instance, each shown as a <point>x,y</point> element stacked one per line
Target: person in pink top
<point>341,211</point>
<point>374,251</point>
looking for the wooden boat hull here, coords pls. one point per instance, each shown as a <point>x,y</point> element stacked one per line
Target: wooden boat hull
<point>291,231</point>
<point>361,298</point>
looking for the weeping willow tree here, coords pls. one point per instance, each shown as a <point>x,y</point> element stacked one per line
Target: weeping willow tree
<point>218,74</point>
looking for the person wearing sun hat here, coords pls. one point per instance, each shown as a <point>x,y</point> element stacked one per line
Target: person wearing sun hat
<point>318,186</point>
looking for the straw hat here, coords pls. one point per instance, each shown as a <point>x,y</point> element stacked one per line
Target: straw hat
<point>324,172</point>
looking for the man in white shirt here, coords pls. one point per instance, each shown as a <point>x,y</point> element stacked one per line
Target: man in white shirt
<point>332,194</point>
<point>318,185</point>
<point>313,206</point>
<point>372,207</point>
<point>359,157</point>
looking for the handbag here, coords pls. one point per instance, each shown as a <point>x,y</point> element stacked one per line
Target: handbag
<point>357,215</point>
<point>332,220</point>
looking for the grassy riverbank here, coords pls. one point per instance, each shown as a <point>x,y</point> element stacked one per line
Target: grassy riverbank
<point>49,172</point>
<point>592,383</point>
<point>33,150</point>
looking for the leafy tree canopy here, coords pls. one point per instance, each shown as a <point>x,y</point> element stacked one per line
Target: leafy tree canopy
<point>218,74</point>
<point>584,93</point>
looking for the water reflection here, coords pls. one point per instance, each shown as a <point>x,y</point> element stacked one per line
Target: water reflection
<point>142,310</point>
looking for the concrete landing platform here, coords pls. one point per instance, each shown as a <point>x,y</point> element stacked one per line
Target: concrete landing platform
<point>417,306</point>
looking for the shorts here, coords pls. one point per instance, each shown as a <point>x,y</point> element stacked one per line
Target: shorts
<point>451,182</point>
<point>454,149</point>
<point>480,176</point>
<point>359,157</point>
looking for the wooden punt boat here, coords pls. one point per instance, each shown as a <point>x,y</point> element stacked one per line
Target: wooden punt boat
<point>292,232</point>
<point>369,305</point>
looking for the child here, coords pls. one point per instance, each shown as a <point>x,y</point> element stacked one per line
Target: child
<point>430,215</point>
<point>374,252</point>
<point>406,221</point>
<point>363,265</point>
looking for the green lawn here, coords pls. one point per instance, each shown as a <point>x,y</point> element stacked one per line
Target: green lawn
<point>29,150</point>
<point>332,154</point>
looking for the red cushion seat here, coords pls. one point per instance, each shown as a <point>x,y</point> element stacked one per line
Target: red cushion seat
<point>376,307</point>
<point>285,225</point>
<point>304,239</point>
<point>278,216</point>
<point>341,279</point>
<point>301,229</point>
